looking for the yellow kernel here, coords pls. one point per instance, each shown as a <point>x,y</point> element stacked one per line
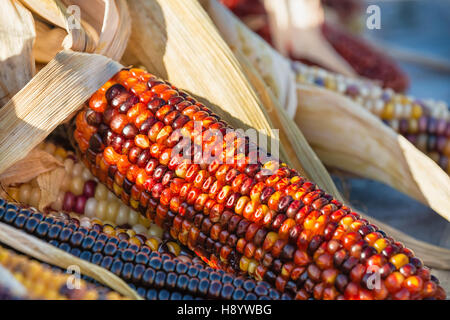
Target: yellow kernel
<point>135,241</point>
<point>346,221</point>
<point>134,203</point>
<point>109,230</point>
<point>416,111</point>
<point>101,192</point>
<point>330,83</point>
<point>399,260</point>
<point>90,295</point>
<point>76,185</point>
<point>252,267</point>
<point>152,243</point>
<point>35,197</point>
<point>380,244</point>
<point>117,189</point>
<point>130,232</point>
<point>144,221</point>
<point>102,210</point>
<point>61,152</point>
<point>388,111</point>
<point>243,264</point>
<point>25,193</point>
<point>174,248</point>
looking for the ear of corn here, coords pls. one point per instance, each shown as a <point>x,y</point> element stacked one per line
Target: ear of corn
<point>153,274</point>
<point>43,282</point>
<point>276,227</point>
<point>425,123</point>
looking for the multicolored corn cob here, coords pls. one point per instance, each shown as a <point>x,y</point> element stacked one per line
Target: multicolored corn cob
<point>154,275</point>
<point>426,124</point>
<point>258,217</point>
<point>41,282</point>
<point>80,193</point>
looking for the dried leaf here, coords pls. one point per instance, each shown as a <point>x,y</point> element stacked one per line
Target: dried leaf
<point>48,41</point>
<point>97,26</point>
<point>50,184</point>
<point>16,38</point>
<point>33,165</point>
<point>295,26</point>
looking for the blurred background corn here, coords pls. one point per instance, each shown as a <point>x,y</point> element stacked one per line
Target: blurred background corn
<point>41,282</point>
<point>425,123</point>
<point>167,274</point>
<point>258,218</point>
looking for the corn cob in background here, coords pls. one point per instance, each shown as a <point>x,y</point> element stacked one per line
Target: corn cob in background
<point>154,275</point>
<point>81,194</point>
<point>277,227</point>
<point>43,282</point>
<point>426,124</point>
<point>364,59</point>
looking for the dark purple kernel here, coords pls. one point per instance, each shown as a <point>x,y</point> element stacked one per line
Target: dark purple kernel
<point>130,131</point>
<point>131,101</point>
<point>93,118</point>
<point>113,91</point>
<point>155,104</point>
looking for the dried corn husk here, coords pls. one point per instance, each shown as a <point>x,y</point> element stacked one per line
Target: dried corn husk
<point>103,26</point>
<point>367,147</point>
<point>295,27</point>
<point>50,183</point>
<point>45,252</point>
<point>176,40</point>
<point>34,164</point>
<point>80,37</point>
<point>48,41</point>
<point>54,94</point>
<point>16,38</point>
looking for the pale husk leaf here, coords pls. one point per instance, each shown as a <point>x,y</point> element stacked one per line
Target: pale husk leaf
<point>104,26</point>
<point>34,164</point>
<point>295,27</point>
<point>16,38</point>
<point>50,183</point>
<point>54,94</point>
<point>48,41</point>
<point>45,252</point>
<point>79,38</point>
